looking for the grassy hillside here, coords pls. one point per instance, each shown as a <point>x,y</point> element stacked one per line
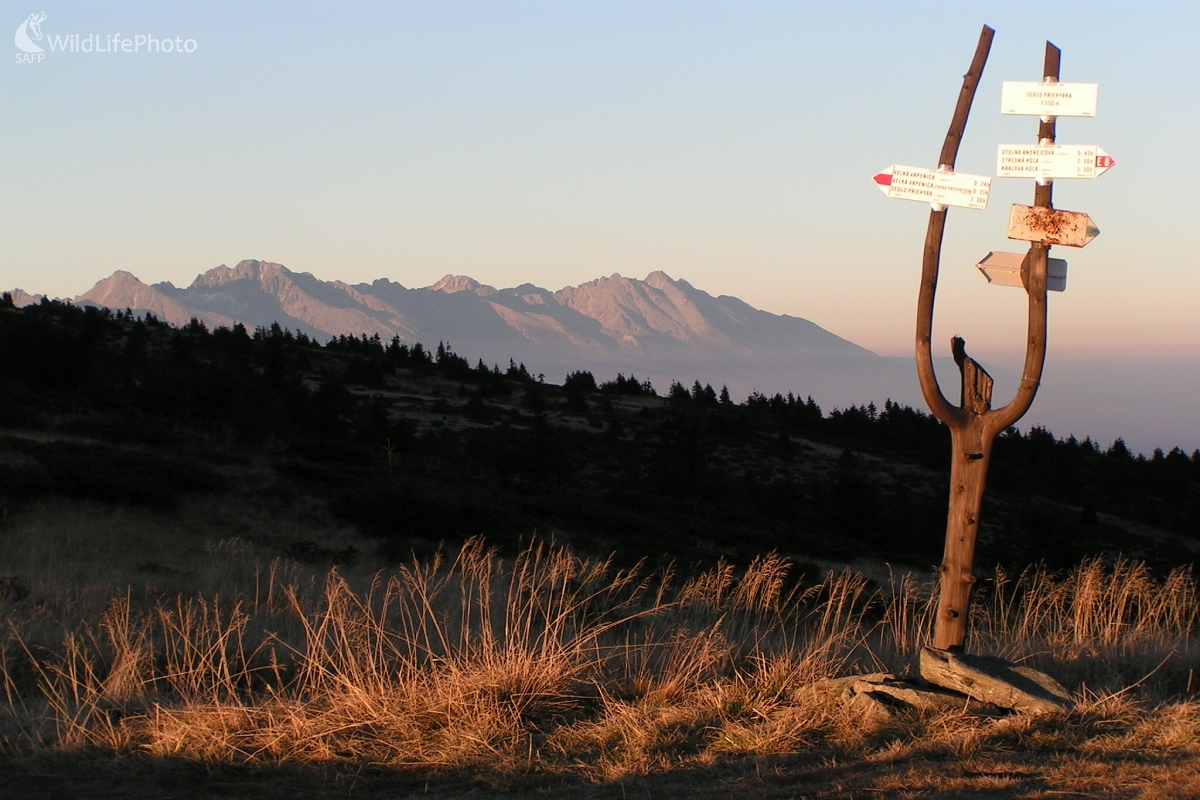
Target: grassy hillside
<point>471,673</point>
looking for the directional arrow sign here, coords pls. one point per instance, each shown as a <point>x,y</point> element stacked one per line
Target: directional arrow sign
<point>1052,161</point>
<point>1049,99</point>
<point>1045,225</point>
<point>1004,269</point>
<point>931,186</point>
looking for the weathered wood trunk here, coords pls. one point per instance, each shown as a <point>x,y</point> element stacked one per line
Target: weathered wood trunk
<point>973,423</point>
<point>971,450</point>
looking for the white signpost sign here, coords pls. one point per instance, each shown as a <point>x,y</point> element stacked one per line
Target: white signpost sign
<point>1004,269</point>
<point>1052,161</point>
<point>1049,99</point>
<point>932,186</point>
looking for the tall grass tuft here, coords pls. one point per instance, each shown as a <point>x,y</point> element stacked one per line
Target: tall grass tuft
<point>548,661</point>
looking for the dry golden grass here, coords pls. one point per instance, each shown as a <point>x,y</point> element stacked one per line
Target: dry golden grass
<point>552,667</point>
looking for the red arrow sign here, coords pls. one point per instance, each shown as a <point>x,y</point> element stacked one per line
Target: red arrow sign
<point>940,187</point>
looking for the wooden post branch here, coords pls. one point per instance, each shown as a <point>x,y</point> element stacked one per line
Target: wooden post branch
<point>974,424</point>
<point>933,237</point>
<point>976,383</point>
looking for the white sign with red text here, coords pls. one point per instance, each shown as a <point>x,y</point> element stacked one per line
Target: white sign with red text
<point>934,186</point>
<point>1052,161</point>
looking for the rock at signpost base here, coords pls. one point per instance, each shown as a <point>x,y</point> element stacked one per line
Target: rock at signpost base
<point>871,707</point>
<point>959,683</point>
<point>903,695</point>
<point>993,680</point>
<point>882,695</point>
<point>837,689</point>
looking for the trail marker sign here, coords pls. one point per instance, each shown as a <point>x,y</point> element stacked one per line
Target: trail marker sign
<point>1052,161</point>
<point>973,422</point>
<point>1004,269</point>
<point>1048,226</point>
<point>934,186</point>
<point>1049,99</point>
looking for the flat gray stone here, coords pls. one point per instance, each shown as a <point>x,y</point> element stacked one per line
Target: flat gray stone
<point>995,681</point>
<point>834,689</point>
<point>881,694</point>
<point>873,706</point>
<point>921,698</point>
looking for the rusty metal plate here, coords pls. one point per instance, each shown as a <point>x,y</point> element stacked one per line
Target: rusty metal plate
<point>1048,226</point>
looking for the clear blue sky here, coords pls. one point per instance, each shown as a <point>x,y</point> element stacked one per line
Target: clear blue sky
<point>730,144</point>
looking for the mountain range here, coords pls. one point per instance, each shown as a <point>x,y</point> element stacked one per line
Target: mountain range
<point>659,328</point>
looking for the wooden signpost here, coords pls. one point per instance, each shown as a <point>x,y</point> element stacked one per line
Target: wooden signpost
<point>973,423</point>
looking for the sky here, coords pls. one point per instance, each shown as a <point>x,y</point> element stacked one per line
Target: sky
<point>728,144</point>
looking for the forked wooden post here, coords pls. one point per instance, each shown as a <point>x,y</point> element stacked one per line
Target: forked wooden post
<point>973,423</point>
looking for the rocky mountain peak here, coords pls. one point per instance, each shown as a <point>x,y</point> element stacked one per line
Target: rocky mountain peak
<point>451,284</point>
<point>659,280</point>
<point>248,269</point>
<point>659,326</point>
<point>23,298</point>
<point>119,284</point>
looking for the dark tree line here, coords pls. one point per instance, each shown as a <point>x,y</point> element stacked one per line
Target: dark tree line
<point>694,470</point>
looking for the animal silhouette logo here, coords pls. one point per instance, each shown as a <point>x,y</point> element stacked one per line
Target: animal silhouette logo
<point>31,25</point>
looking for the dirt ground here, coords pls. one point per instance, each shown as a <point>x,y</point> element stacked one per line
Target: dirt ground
<point>1034,765</point>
